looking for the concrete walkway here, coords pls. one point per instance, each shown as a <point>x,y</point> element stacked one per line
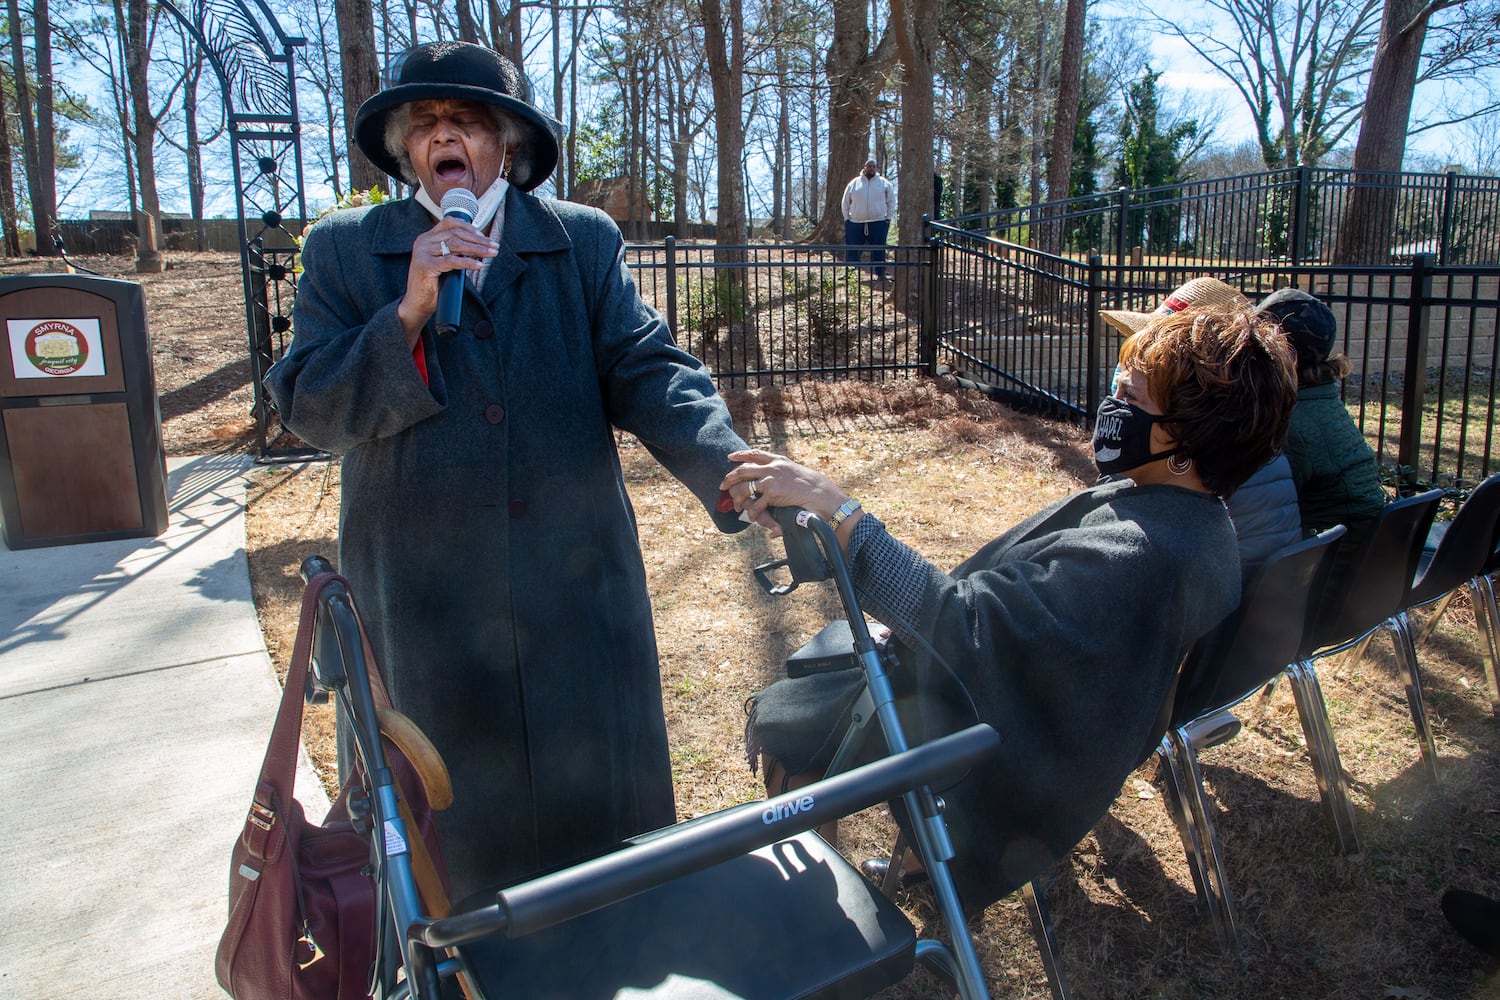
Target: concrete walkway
<point>136,699</point>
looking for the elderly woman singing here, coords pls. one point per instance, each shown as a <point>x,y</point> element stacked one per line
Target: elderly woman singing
<point>485,525</point>
<point>1064,633</point>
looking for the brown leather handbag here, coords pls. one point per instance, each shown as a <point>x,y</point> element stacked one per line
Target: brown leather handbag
<point>302,897</point>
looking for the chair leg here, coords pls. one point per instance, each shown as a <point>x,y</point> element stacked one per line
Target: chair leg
<point>1194,818</point>
<point>1046,942</point>
<point>1487,625</point>
<point>1324,753</point>
<point>1356,652</point>
<point>1406,659</point>
<point>1432,619</point>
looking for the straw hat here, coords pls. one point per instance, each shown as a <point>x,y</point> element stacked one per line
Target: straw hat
<point>1199,293</point>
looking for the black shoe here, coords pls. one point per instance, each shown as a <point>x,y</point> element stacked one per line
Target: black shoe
<point>1476,917</point>
<point>874,869</point>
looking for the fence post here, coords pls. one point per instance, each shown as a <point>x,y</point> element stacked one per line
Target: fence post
<point>927,318</point>
<point>1414,381</point>
<point>1299,214</point>
<point>1445,235</point>
<point>1096,269</point>
<point>672,284</point>
<point>1122,206</point>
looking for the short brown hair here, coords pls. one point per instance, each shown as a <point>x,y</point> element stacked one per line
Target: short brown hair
<point>1226,379</point>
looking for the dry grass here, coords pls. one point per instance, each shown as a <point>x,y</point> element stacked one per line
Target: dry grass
<point>948,471</point>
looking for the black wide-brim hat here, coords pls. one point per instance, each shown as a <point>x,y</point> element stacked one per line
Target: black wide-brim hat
<point>460,71</point>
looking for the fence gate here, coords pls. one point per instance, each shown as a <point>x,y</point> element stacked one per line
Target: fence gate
<point>255,63</point>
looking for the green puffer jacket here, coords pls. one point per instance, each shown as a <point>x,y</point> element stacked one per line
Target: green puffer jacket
<point>1334,469</point>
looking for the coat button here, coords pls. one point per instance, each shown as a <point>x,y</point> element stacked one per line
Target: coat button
<point>484,329</point>
<point>494,413</point>
<point>517,509</point>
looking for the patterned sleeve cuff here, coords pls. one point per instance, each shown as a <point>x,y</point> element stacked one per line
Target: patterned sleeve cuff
<point>889,576</point>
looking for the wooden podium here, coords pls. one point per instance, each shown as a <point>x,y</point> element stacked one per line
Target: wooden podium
<point>81,457</point>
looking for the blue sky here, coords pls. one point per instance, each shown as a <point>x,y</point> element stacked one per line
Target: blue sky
<point>1185,72</point>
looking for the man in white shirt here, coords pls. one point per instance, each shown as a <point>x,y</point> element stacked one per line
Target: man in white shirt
<point>869,203</point>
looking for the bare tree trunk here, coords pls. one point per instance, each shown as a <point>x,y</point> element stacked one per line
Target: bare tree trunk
<point>814,195</point>
<point>784,144</point>
<point>781,208</point>
<point>46,137</point>
<point>573,107</point>
<point>1065,119</point>
<point>1367,230</point>
<point>1038,110</point>
<point>194,149</point>
<point>25,104</point>
<point>137,62</point>
<point>854,76</point>
<point>679,118</point>
<point>515,35</point>
<point>325,90</point>
<point>915,23</point>
<point>122,111</point>
<point>724,42</point>
<point>356,24</point>
<point>725,46</point>
<point>468,29</point>
<point>557,91</point>
<point>8,217</point>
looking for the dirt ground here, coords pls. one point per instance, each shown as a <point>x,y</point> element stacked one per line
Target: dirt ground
<point>947,472</point>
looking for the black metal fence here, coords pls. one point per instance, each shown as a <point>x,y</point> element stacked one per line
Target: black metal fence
<point>1421,337</point>
<point>764,314</point>
<point>1021,323</point>
<point>1299,216</point>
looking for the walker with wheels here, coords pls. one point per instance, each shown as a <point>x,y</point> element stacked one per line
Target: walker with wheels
<point>747,902</point>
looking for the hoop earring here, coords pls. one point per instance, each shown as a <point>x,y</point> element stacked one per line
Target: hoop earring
<point>1179,464</point>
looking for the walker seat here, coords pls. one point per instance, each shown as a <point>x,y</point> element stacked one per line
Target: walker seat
<point>792,919</point>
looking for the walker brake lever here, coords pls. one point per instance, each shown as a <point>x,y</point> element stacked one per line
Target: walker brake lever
<point>804,559</point>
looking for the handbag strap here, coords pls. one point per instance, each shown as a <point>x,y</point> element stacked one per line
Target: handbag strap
<point>278,772</point>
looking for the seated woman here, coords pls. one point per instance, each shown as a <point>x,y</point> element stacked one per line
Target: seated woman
<point>1337,477</point>
<point>1064,633</point>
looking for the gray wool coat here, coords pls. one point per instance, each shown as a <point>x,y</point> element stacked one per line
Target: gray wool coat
<point>1064,634</point>
<point>485,527</point>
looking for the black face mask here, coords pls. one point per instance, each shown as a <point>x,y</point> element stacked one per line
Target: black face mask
<point>1122,436</point>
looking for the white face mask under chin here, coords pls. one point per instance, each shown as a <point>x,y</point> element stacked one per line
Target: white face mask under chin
<point>489,202</point>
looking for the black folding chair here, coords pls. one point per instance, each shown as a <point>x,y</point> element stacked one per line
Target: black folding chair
<point>1252,647</point>
<point>1374,595</point>
<point>746,902</point>
<point>1460,553</point>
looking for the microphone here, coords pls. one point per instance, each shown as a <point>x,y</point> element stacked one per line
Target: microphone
<point>460,204</point>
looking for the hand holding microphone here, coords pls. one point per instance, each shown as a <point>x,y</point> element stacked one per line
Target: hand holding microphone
<point>459,204</point>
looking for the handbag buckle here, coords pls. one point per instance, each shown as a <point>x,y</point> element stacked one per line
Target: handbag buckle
<point>314,952</point>
<point>262,816</point>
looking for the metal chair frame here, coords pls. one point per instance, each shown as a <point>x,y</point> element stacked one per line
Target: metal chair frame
<point>1460,559</point>
<point>1402,529</point>
<point>1257,644</point>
